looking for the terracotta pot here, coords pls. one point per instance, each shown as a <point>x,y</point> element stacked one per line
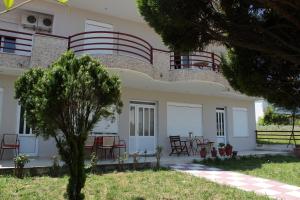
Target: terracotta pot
<point>228,151</point>
<point>214,153</point>
<point>222,152</point>
<point>203,153</point>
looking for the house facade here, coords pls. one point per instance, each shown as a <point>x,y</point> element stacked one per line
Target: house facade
<point>163,93</point>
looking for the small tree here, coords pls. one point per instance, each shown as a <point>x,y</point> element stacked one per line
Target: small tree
<point>65,101</point>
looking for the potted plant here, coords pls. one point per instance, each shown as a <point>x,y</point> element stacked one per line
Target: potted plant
<point>228,150</point>
<point>214,152</point>
<point>203,153</point>
<point>221,149</point>
<point>20,162</point>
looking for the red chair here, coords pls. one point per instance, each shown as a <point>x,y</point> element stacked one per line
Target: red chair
<point>10,141</point>
<point>119,144</point>
<point>107,144</point>
<point>90,143</point>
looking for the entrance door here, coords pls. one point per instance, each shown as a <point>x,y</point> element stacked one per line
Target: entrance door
<point>98,43</point>
<point>221,128</point>
<point>28,141</point>
<point>142,125</point>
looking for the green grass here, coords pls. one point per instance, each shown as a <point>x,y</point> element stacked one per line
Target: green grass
<point>165,185</point>
<point>274,138</point>
<point>282,168</point>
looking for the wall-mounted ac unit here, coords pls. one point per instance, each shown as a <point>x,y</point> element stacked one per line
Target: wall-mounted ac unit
<point>29,20</point>
<point>45,23</point>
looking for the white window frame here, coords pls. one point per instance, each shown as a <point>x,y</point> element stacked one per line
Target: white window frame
<point>186,105</point>
<point>117,121</point>
<point>235,132</point>
<point>24,126</point>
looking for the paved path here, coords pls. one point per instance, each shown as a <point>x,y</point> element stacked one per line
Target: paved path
<point>263,186</point>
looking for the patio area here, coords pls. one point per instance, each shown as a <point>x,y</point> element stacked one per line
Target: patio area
<point>36,162</point>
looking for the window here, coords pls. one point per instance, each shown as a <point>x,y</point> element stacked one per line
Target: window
<point>108,125</point>
<point>24,128</point>
<point>9,44</point>
<point>183,119</point>
<point>240,122</point>
<point>181,60</point>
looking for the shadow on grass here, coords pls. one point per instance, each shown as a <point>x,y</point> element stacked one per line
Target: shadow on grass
<point>100,170</point>
<point>249,162</point>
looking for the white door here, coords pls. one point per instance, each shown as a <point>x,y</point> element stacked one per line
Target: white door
<point>221,128</point>
<point>98,43</point>
<point>142,125</point>
<point>28,141</point>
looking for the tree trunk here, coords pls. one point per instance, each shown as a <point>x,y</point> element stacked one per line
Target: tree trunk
<point>76,170</point>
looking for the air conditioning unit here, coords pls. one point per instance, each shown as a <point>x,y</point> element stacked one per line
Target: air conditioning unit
<point>45,23</point>
<point>29,20</point>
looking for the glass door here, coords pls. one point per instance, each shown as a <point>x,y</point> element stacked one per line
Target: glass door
<point>221,128</point>
<point>142,125</point>
<point>28,141</point>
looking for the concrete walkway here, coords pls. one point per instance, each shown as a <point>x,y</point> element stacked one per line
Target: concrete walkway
<point>262,186</point>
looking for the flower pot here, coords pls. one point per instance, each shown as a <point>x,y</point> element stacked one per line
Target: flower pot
<point>214,153</point>
<point>221,152</point>
<point>228,151</point>
<point>203,153</point>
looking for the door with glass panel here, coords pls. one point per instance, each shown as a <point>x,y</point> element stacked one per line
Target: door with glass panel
<point>28,140</point>
<point>142,125</point>
<point>221,125</point>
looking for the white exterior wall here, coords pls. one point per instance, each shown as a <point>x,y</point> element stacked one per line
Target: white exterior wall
<point>209,105</point>
<point>68,21</point>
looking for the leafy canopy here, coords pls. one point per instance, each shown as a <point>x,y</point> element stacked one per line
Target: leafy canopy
<point>65,101</point>
<point>262,37</point>
<point>10,3</point>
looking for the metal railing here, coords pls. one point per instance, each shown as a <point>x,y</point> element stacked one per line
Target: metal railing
<point>109,42</point>
<point>15,42</point>
<point>196,60</point>
<point>276,137</point>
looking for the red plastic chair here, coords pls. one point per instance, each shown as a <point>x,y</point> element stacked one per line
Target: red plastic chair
<point>8,142</point>
<point>119,144</point>
<point>90,143</point>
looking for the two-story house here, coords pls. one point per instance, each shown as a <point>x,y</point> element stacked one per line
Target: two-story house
<point>163,93</point>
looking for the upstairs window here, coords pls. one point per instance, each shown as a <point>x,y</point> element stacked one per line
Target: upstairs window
<point>8,44</point>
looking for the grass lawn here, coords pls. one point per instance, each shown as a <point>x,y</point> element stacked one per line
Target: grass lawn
<point>282,168</point>
<point>166,185</point>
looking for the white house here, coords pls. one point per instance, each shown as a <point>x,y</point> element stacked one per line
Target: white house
<point>163,94</point>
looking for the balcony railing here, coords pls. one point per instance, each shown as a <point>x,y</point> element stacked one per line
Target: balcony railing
<point>197,60</point>
<point>15,42</point>
<point>109,42</point>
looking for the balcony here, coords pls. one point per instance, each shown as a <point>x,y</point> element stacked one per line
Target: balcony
<point>15,48</point>
<point>119,51</point>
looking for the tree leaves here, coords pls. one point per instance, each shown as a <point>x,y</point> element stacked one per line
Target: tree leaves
<point>8,3</point>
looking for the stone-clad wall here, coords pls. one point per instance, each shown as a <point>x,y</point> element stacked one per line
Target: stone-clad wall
<point>47,49</point>
<point>14,61</point>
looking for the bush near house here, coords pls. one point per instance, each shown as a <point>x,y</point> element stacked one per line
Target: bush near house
<point>65,101</point>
